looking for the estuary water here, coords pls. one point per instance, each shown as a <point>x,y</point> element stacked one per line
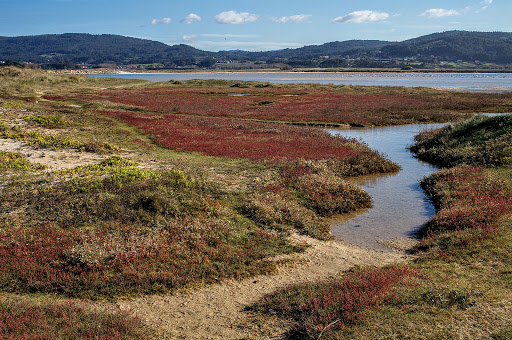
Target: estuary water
<point>495,82</point>
<point>399,204</point>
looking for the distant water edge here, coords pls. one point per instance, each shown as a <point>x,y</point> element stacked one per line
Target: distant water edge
<point>485,82</point>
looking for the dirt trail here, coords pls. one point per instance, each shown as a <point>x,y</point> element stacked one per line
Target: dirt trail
<point>217,311</point>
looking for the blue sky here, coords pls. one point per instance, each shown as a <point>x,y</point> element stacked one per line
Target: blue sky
<point>253,25</point>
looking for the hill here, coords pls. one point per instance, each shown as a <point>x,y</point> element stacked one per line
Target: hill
<point>93,49</point>
<point>494,47</point>
<point>66,50</point>
<point>331,49</point>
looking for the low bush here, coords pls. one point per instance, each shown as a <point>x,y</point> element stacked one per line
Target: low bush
<point>323,310</point>
<point>466,199</point>
<point>24,319</point>
<point>328,194</point>
<point>273,211</point>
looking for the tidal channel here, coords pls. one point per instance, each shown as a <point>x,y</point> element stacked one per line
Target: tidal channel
<point>399,204</point>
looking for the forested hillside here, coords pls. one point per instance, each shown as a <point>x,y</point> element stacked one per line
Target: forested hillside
<point>495,47</point>
<point>68,50</point>
<point>94,49</point>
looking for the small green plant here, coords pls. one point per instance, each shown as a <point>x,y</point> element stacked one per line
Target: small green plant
<point>117,161</point>
<point>46,120</point>
<point>447,298</point>
<point>14,161</point>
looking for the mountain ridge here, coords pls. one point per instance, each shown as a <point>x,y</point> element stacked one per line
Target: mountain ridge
<point>89,49</point>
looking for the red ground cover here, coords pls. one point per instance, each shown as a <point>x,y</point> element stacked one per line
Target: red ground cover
<point>323,309</point>
<point>469,199</point>
<point>238,139</point>
<point>273,104</point>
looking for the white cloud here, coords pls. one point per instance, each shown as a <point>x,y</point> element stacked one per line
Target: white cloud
<point>234,18</point>
<point>359,17</point>
<point>292,18</point>
<point>229,35</point>
<point>485,4</point>
<point>192,37</point>
<point>243,45</point>
<point>160,21</point>
<point>440,12</point>
<point>190,19</point>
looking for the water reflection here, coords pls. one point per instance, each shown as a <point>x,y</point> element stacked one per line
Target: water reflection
<point>399,204</point>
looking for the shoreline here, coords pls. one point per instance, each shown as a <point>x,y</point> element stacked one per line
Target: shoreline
<point>273,70</point>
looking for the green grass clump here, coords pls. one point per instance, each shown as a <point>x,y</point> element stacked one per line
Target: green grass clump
<point>117,161</point>
<point>485,141</point>
<point>272,210</point>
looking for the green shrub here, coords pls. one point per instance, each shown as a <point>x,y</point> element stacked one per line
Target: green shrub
<point>46,121</point>
<point>14,161</point>
<point>274,211</point>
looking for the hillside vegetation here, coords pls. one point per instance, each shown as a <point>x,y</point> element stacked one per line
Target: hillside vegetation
<point>494,47</point>
<point>430,51</point>
<point>93,49</point>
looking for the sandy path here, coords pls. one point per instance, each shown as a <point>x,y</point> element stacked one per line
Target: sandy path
<point>217,311</point>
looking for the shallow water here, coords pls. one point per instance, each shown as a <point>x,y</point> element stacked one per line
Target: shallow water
<point>399,204</point>
<point>468,81</point>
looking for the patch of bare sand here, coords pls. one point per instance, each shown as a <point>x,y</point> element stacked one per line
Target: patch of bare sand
<point>52,159</point>
<point>218,311</point>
